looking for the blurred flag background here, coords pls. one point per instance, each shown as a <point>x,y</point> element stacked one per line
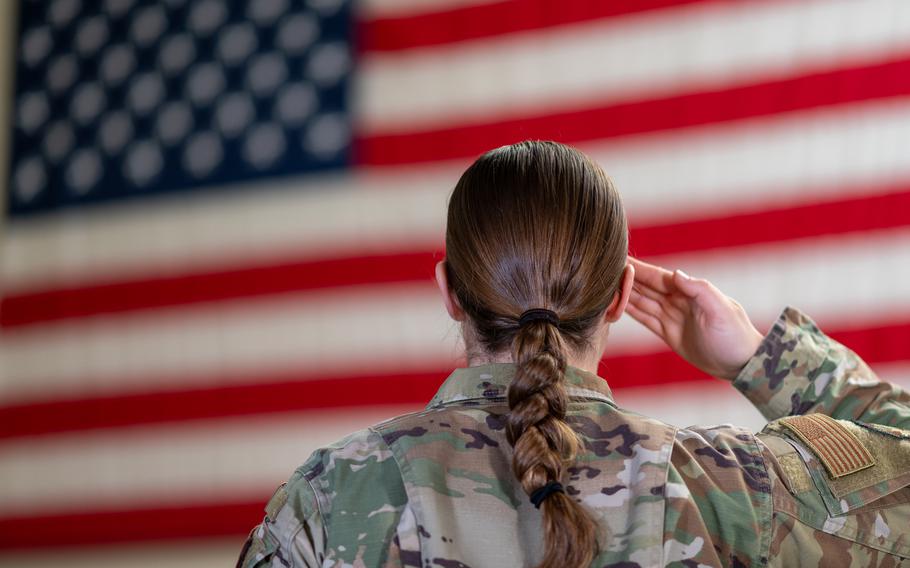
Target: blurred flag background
<point>222,219</point>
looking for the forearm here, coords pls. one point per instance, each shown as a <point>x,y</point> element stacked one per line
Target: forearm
<point>799,370</point>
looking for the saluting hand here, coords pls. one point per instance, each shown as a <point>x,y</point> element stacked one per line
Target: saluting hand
<point>700,323</point>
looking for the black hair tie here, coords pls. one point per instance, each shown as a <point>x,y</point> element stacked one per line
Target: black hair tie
<point>541,493</point>
<point>536,314</point>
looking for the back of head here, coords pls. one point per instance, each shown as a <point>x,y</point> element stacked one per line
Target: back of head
<point>538,225</point>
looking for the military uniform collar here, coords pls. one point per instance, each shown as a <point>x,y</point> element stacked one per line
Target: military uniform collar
<point>491,381</point>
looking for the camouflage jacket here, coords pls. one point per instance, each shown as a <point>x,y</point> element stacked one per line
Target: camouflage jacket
<point>434,488</point>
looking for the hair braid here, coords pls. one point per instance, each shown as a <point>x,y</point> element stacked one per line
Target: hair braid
<point>543,442</point>
<point>538,225</point>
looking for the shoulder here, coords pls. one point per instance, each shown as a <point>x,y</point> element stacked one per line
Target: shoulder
<point>840,485</point>
<point>360,450</point>
<point>347,492</point>
<point>357,473</point>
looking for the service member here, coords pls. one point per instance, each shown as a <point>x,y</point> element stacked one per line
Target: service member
<point>523,459</point>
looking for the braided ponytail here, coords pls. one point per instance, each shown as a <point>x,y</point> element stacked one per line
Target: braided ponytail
<point>535,225</point>
<point>543,442</point>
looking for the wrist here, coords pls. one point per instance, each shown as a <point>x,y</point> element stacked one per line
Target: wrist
<point>750,348</point>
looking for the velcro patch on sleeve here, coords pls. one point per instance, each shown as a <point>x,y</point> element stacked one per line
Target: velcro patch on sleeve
<point>839,450</point>
<point>887,430</point>
<point>279,498</point>
<point>796,477</point>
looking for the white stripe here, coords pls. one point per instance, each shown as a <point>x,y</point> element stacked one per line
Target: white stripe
<point>655,53</point>
<point>375,9</point>
<point>238,459</point>
<point>699,172</point>
<point>788,159</point>
<point>335,332</point>
<point>837,280</point>
<point>895,372</point>
<point>280,219</point>
<point>232,459</point>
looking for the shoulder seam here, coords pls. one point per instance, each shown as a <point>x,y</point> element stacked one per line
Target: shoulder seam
<point>374,428</point>
<point>316,497</point>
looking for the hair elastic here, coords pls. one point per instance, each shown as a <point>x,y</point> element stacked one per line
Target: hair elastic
<point>535,314</point>
<point>541,493</point>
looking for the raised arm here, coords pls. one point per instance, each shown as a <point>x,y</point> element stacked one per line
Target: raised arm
<point>799,370</point>
<point>794,369</point>
<point>831,498</point>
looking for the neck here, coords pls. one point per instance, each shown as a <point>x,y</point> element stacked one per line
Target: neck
<point>589,360</point>
<point>589,364</point>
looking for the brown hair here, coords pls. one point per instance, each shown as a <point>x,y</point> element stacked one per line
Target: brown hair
<point>538,225</point>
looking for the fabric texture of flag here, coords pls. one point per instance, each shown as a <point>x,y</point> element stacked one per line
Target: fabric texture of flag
<point>223,218</point>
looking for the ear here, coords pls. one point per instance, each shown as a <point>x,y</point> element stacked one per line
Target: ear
<point>448,297</point>
<point>621,298</point>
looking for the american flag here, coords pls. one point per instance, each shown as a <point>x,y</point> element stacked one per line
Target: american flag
<point>223,218</point>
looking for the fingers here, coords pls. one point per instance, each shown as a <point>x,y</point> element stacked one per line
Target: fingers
<point>651,322</point>
<point>652,276</point>
<point>657,311</point>
<point>646,303</point>
<point>673,305</point>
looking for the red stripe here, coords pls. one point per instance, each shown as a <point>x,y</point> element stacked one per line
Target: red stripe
<point>263,393</point>
<point>205,520</point>
<point>285,392</point>
<point>493,19</point>
<point>887,79</point>
<point>295,391</point>
<point>111,297</point>
<point>885,209</point>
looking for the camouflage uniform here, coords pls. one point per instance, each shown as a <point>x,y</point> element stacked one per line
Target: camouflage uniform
<point>435,488</point>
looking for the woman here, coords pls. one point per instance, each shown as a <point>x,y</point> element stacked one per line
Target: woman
<point>523,459</point>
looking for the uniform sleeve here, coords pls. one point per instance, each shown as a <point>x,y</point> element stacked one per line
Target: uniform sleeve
<point>292,532</point>
<point>799,370</point>
<point>736,499</point>
<point>856,518</point>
